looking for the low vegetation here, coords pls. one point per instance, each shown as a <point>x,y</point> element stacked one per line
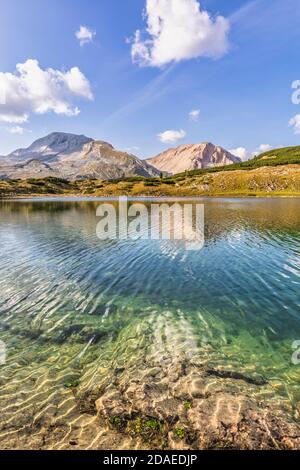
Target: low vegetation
<point>276,172</point>
<point>282,156</point>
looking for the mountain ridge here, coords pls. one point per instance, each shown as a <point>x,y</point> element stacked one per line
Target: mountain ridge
<point>53,144</point>
<point>274,173</point>
<point>72,156</point>
<point>189,157</point>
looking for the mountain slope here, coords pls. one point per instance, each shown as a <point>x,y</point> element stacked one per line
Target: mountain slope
<point>72,156</point>
<point>192,157</point>
<point>281,156</point>
<point>52,146</point>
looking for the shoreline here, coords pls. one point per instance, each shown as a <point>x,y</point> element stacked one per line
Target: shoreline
<point>264,182</point>
<point>145,197</point>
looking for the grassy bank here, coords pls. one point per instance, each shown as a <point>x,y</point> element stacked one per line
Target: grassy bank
<point>272,158</point>
<point>281,180</point>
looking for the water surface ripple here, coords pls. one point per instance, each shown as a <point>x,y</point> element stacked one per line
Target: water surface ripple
<point>74,308</point>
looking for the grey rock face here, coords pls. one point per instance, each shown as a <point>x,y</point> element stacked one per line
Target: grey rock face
<point>51,146</point>
<point>72,156</point>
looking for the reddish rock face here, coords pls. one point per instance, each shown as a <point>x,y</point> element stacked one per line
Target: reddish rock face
<point>192,157</point>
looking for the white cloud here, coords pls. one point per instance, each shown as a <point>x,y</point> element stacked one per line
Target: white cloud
<point>264,148</point>
<point>15,130</point>
<point>85,35</point>
<point>34,90</point>
<point>171,137</point>
<point>241,152</point>
<point>179,30</point>
<point>194,115</point>
<point>245,154</point>
<point>13,118</point>
<point>295,122</point>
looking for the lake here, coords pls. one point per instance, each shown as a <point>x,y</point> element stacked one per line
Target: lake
<point>125,343</point>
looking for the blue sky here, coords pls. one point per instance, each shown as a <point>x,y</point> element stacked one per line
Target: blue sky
<point>241,85</point>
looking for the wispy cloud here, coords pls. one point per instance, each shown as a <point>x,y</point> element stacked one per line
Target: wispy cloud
<point>16,130</point>
<point>257,16</point>
<point>194,115</point>
<point>295,123</point>
<point>151,92</point>
<point>264,148</point>
<point>85,35</point>
<point>132,149</point>
<point>244,12</point>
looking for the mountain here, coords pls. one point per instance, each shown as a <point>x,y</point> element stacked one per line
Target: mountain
<point>51,147</point>
<point>192,157</point>
<point>71,156</point>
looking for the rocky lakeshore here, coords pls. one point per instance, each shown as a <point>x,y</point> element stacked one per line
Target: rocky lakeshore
<point>181,407</point>
<point>158,392</point>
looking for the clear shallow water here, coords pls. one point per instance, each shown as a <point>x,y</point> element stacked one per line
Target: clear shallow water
<point>73,307</point>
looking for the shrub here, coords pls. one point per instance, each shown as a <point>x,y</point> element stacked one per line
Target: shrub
<point>152,183</point>
<point>54,179</point>
<point>169,182</point>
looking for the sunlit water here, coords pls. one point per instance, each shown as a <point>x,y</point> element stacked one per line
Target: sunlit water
<point>73,307</point>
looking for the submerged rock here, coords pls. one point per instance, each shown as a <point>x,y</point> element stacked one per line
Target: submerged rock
<point>222,411</point>
<point>236,376</point>
<point>147,389</point>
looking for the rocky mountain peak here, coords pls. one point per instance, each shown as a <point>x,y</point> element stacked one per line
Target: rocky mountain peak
<point>72,156</point>
<point>56,143</point>
<point>191,157</point>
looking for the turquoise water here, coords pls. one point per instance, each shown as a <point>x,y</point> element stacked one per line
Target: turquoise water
<point>74,307</point>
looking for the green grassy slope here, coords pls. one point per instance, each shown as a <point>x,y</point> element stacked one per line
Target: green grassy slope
<point>282,156</point>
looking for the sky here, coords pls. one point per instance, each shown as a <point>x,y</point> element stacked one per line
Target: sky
<point>147,75</point>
